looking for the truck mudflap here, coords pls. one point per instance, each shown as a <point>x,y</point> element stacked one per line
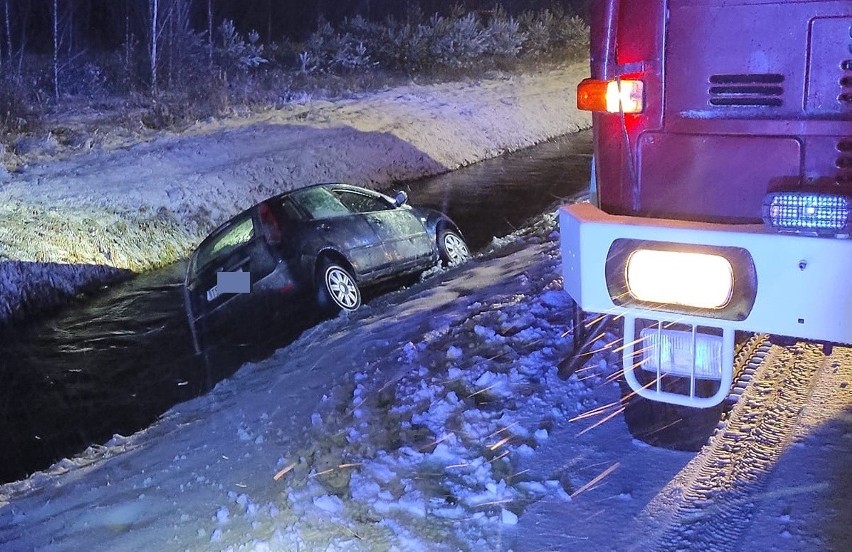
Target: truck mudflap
<point>683,289</point>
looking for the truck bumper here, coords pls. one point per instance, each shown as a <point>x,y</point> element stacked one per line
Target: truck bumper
<point>797,286</point>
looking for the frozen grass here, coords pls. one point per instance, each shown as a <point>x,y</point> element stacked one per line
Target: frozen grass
<point>97,237</point>
<point>29,287</point>
<point>91,245</point>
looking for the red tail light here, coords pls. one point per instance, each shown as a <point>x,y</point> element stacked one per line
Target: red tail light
<point>271,229</point>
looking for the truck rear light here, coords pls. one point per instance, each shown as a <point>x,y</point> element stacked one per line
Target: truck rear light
<point>698,280</point>
<point>681,353</point>
<point>688,278</point>
<point>613,96</point>
<point>816,212</point>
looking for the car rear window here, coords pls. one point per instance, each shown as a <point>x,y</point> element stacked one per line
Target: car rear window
<point>240,232</point>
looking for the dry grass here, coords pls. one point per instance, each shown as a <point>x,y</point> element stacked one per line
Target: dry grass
<point>136,242</point>
<point>59,255</point>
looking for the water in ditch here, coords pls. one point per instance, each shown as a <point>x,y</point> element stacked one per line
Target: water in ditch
<point>114,364</point>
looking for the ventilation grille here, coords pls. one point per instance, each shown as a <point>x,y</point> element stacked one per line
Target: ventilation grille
<point>746,90</point>
<point>845,96</point>
<point>844,162</point>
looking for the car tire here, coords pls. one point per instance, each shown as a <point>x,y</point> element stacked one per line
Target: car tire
<point>336,288</point>
<point>452,248</point>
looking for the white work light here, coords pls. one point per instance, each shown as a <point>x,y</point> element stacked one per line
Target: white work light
<point>677,352</point>
<point>817,212</point>
<point>697,280</point>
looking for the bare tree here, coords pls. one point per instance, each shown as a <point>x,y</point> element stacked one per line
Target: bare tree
<point>155,16</point>
<point>210,34</point>
<point>56,49</point>
<point>8,33</point>
<point>128,38</point>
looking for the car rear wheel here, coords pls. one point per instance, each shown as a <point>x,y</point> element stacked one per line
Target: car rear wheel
<point>452,248</point>
<point>337,288</point>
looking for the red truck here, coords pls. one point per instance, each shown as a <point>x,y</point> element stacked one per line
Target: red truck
<point>721,190</point>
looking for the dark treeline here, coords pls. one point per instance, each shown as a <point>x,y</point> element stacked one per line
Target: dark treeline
<point>188,59</point>
<point>105,24</point>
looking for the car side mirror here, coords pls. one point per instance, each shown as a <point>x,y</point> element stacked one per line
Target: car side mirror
<point>400,198</point>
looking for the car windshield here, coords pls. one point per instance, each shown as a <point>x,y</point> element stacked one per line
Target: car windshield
<point>320,203</point>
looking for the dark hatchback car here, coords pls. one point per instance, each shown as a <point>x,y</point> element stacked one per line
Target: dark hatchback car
<point>314,248</point>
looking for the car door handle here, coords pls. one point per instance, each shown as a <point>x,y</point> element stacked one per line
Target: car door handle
<point>378,221</point>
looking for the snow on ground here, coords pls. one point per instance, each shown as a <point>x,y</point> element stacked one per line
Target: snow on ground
<point>145,205</point>
<point>431,419</point>
<point>413,424</point>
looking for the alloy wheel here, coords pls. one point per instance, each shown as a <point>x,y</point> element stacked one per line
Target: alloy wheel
<point>342,288</point>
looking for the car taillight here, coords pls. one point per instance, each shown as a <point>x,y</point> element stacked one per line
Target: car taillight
<point>814,212</point>
<point>271,229</point>
<point>611,96</point>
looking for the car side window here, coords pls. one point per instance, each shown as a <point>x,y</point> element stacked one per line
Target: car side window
<point>320,203</point>
<point>240,232</point>
<point>362,203</point>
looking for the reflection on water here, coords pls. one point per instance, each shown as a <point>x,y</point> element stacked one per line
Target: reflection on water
<point>495,197</point>
<point>114,364</point>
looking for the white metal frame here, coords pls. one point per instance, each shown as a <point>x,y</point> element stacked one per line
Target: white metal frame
<point>803,282</point>
<point>656,392</point>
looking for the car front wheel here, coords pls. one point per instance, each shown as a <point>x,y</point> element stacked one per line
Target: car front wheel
<point>452,248</point>
<point>337,289</point>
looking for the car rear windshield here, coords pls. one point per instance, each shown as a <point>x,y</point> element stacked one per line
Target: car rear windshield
<point>239,232</point>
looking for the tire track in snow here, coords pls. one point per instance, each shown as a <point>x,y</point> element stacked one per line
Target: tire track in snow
<point>712,503</point>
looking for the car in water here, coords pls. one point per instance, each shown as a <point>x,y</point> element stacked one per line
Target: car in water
<point>316,247</point>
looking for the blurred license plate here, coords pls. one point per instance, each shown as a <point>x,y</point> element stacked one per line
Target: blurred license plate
<point>212,293</point>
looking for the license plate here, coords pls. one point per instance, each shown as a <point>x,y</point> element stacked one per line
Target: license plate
<point>212,294</point>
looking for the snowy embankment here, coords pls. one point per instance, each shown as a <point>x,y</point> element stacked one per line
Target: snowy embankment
<point>149,204</point>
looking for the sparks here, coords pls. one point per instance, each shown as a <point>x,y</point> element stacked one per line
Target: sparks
<point>596,480</point>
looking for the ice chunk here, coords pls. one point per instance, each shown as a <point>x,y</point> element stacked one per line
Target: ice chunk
<point>509,518</point>
<point>329,503</point>
<point>454,353</point>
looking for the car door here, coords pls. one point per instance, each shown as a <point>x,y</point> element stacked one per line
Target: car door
<point>332,224</point>
<point>403,235</point>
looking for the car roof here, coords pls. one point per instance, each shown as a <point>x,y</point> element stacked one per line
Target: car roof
<point>222,227</point>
